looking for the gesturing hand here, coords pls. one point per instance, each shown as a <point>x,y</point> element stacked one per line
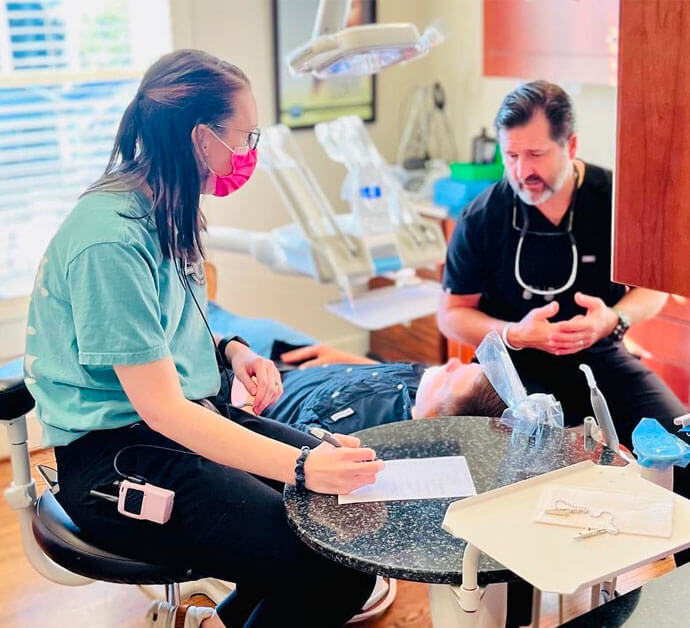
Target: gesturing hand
<point>534,329</point>
<point>583,330</point>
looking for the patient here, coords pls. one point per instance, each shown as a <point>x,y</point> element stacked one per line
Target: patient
<point>342,392</point>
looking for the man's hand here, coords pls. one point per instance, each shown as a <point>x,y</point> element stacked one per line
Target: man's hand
<point>534,330</point>
<point>582,331</point>
<point>314,355</point>
<point>259,376</point>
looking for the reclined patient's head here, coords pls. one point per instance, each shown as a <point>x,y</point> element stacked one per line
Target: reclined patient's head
<point>456,389</point>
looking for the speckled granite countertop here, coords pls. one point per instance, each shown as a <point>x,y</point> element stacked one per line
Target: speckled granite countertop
<point>404,539</point>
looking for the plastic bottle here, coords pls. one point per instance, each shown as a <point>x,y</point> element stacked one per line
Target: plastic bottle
<point>483,148</point>
<point>371,207</point>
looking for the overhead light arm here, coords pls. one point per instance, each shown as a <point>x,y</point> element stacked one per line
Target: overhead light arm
<point>331,17</point>
<point>337,50</point>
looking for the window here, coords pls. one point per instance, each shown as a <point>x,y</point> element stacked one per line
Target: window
<point>68,68</point>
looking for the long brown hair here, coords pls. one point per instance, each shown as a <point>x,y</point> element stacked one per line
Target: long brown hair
<point>153,144</point>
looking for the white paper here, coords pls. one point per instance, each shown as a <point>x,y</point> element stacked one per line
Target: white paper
<point>630,513</point>
<point>416,478</point>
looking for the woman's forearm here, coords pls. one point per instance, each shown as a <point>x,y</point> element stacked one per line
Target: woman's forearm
<point>223,441</point>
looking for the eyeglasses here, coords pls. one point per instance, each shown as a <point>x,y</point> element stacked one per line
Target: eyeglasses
<point>253,136</point>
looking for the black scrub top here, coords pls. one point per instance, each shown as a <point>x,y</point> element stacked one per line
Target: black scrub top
<point>481,252</point>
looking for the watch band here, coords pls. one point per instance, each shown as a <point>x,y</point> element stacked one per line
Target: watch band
<point>622,325</point>
<point>224,343</point>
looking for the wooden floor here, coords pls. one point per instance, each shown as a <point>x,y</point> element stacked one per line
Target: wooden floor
<point>29,601</point>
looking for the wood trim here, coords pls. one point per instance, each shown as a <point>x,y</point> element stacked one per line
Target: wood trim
<point>652,218</point>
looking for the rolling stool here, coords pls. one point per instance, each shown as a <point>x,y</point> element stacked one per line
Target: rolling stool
<point>52,542</point>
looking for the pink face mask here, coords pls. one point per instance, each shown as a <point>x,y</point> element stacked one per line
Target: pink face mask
<point>242,168</point>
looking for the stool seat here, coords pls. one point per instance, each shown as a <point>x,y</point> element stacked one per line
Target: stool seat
<point>61,539</point>
<point>15,399</point>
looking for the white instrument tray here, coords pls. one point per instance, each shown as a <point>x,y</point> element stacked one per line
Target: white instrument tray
<point>501,523</point>
<point>391,305</point>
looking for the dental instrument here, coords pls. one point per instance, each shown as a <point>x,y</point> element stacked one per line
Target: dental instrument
<point>601,411</point>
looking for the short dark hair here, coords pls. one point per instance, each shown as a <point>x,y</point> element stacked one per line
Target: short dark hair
<point>480,399</point>
<point>519,106</point>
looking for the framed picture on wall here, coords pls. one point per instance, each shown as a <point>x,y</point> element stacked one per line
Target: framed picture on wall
<point>303,101</point>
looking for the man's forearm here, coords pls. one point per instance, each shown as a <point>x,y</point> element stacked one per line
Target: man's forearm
<point>467,324</point>
<point>640,304</point>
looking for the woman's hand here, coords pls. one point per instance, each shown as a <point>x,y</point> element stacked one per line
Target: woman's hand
<point>340,470</point>
<point>259,376</point>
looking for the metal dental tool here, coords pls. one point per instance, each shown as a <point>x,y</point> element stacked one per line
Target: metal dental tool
<point>601,411</point>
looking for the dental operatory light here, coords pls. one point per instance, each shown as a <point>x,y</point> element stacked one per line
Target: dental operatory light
<point>356,50</point>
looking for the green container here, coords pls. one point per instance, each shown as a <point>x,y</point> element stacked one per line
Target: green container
<point>476,172</point>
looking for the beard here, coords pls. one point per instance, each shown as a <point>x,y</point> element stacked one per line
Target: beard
<point>549,188</point>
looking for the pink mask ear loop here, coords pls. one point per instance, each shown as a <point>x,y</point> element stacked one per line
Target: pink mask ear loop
<point>232,150</point>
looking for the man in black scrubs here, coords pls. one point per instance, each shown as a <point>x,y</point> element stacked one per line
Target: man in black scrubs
<point>531,259</point>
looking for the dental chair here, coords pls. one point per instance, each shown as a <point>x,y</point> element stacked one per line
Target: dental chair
<point>52,542</point>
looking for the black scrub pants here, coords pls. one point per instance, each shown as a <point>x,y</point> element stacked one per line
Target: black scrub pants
<point>632,392</point>
<point>225,524</point>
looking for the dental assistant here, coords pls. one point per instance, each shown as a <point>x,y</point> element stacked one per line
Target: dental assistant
<point>531,259</point>
<point>118,354</point>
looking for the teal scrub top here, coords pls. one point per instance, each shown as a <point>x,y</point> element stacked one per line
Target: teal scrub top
<point>105,295</point>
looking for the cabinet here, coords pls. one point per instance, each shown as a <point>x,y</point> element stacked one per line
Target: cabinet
<point>652,189</point>
<point>564,41</point>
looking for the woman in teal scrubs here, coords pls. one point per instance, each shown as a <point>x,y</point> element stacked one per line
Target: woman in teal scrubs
<point>118,357</point>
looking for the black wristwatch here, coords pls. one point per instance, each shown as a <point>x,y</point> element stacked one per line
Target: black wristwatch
<point>622,326</point>
<point>224,343</point>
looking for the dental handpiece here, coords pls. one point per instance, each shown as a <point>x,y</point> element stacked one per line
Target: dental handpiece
<point>601,410</point>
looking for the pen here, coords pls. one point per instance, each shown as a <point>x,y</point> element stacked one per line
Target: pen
<point>322,434</point>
